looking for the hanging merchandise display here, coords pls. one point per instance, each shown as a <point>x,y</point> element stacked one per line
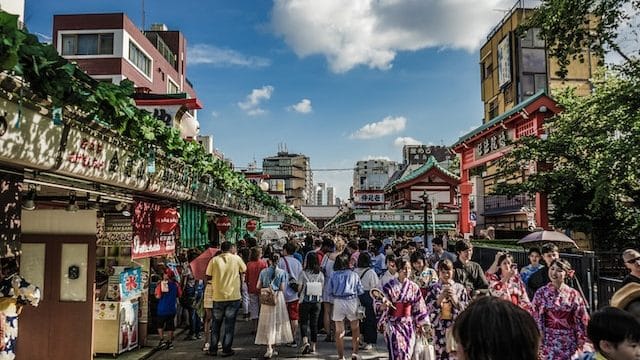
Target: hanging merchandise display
<point>223,224</point>
<point>155,230</point>
<point>10,212</point>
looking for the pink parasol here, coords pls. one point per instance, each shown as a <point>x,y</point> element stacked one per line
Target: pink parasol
<point>199,264</point>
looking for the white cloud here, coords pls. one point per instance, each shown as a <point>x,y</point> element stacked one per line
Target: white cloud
<point>252,102</point>
<point>386,126</point>
<point>372,32</point>
<point>303,107</point>
<point>407,140</point>
<point>213,55</point>
<point>214,114</point>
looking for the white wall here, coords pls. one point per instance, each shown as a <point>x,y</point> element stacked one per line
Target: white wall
<point>15,7</point>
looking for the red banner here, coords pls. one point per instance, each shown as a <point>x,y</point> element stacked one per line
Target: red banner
<point>155,230</point>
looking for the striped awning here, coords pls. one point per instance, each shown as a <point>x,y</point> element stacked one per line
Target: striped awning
<point>403,226</point>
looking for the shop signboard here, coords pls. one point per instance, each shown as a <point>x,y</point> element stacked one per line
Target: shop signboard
<point>370,197</point>
<point>149,239</point>
<point>130,283</point>
<point>30,139</point>
<point>171,180</point>
<point>504,61</point>
<point>386,216</point>
<point>10,207</point>
<point>92,156</point>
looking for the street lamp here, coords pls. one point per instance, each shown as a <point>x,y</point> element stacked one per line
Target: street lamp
<point>425,198</point>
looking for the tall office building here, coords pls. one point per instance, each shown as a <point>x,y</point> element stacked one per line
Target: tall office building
<point>320,190</point>
<point>331,195</point>
<point>295,170</point>
<point>372,174</point>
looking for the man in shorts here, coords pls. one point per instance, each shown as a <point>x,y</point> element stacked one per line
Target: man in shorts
<point>167,293</point>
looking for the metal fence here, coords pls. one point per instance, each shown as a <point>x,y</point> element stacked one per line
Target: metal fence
<point>597,290</point>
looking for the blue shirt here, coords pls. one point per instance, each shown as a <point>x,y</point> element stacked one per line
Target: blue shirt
<point>167,302</point>
<point>266,275</point>
<point>527,271</point>
<point>345,284</point>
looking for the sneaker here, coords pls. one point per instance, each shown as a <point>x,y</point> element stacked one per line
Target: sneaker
<point>366,347</point>
<point>169,345</point>
<point>306,349</point>
<point>231,353</point>
<point>205,348</point>
<point>355,356</point>
<point>268,354</point>
<point>162,344</point>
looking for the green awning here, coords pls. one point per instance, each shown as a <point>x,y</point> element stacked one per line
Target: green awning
<point>403,226</point>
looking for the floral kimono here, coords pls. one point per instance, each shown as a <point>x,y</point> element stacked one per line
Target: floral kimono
<point>400,324</point>
<point>513,290</point>
<point>561,315</point>
<point>441,324</point>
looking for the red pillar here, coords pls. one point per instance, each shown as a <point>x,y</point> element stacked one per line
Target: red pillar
<point>465,191</point>
<point>542,211</point>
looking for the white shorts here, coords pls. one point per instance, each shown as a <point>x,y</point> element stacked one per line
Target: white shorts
<point>345,309</point>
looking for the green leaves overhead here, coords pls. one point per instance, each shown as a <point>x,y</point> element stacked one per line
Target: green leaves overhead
<point>52,78</point>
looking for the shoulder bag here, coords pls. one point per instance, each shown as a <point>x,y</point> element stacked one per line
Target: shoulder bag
<point>267,295</point>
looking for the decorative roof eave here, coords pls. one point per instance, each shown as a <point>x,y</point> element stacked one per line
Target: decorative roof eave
<point>190,103</point>
<point>502,118</point>
<point>431,163</point>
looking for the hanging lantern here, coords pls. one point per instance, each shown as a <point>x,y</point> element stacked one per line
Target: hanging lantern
<point>166,219</point>
<point>223,224</point>
<point>251,225</point>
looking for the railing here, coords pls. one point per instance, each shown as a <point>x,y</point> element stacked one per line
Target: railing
<point>606,287</point>
<point>496,204</point>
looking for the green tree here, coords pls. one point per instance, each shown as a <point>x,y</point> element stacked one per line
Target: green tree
<point>588,162</point>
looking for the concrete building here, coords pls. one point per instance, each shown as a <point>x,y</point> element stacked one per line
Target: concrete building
<point>331,195</point>
<point>372,174</point>
<point>320,190</point>
<point>110,47</point>
<point>514,68</point>
<point>295,171</point>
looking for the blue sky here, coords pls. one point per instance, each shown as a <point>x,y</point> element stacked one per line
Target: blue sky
<point>337,80</point>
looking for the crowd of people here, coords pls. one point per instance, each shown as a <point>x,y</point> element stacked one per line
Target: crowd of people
<point>425,304</point>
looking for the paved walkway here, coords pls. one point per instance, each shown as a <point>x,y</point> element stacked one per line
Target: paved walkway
<point>245,348</point>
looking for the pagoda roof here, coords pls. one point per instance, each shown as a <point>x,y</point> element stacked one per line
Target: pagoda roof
<point>431,163</point>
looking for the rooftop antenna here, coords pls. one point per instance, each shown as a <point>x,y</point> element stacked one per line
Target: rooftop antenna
<point>143,15</point>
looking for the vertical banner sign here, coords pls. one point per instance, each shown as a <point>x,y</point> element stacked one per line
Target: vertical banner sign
<point>10,212</point>
<point>155,230</point>
<point>130,283</point>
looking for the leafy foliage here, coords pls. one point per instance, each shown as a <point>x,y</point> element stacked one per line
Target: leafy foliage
<point>588,163</point>
<point>52,78</point>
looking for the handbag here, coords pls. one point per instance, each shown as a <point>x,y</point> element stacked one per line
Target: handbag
<point>423,350</point>
<point>267,296</point>
<point>449,340</point>
<point>361,311</point>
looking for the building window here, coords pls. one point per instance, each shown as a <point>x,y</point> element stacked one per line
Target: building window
<point>87,44</point>
<point>487,70</point>
<point>139,59</point>
<point>533,60</point>
<point>172,88</point>
<point>493,109</point>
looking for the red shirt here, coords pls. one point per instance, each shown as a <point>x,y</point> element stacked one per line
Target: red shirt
<point>253,272</point>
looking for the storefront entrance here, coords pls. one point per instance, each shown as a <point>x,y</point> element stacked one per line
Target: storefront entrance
<point>63,266</point>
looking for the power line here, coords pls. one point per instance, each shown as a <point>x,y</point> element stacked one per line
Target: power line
<point>329,169</point>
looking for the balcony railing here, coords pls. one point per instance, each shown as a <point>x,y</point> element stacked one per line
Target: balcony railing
<point>501,204</point>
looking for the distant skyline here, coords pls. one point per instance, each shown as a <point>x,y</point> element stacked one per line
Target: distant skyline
<point>337,81</point>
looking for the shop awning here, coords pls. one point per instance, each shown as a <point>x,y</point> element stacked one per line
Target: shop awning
<point>403,226</point>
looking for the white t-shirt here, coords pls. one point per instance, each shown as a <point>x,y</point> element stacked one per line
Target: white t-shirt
<point>368,278</point>
<point>386,277</point>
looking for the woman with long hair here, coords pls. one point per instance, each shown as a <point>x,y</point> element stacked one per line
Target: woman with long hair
<point>345,287</point>
<point>561,315</point>
<point>505,282</point>
<point>369,280</point>
<point>404,315</point>
<point>327,300</point>
<point>273,323</point>
<point>446,299</point>
<point>422,274</point>
<point>311,281</point>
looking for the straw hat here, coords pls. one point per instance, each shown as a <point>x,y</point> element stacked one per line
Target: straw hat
<point>626,295</point>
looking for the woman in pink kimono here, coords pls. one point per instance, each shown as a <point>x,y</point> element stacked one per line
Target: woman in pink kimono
<point>561,315</point>
<point>404,314</point>
<point>505,282</point>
